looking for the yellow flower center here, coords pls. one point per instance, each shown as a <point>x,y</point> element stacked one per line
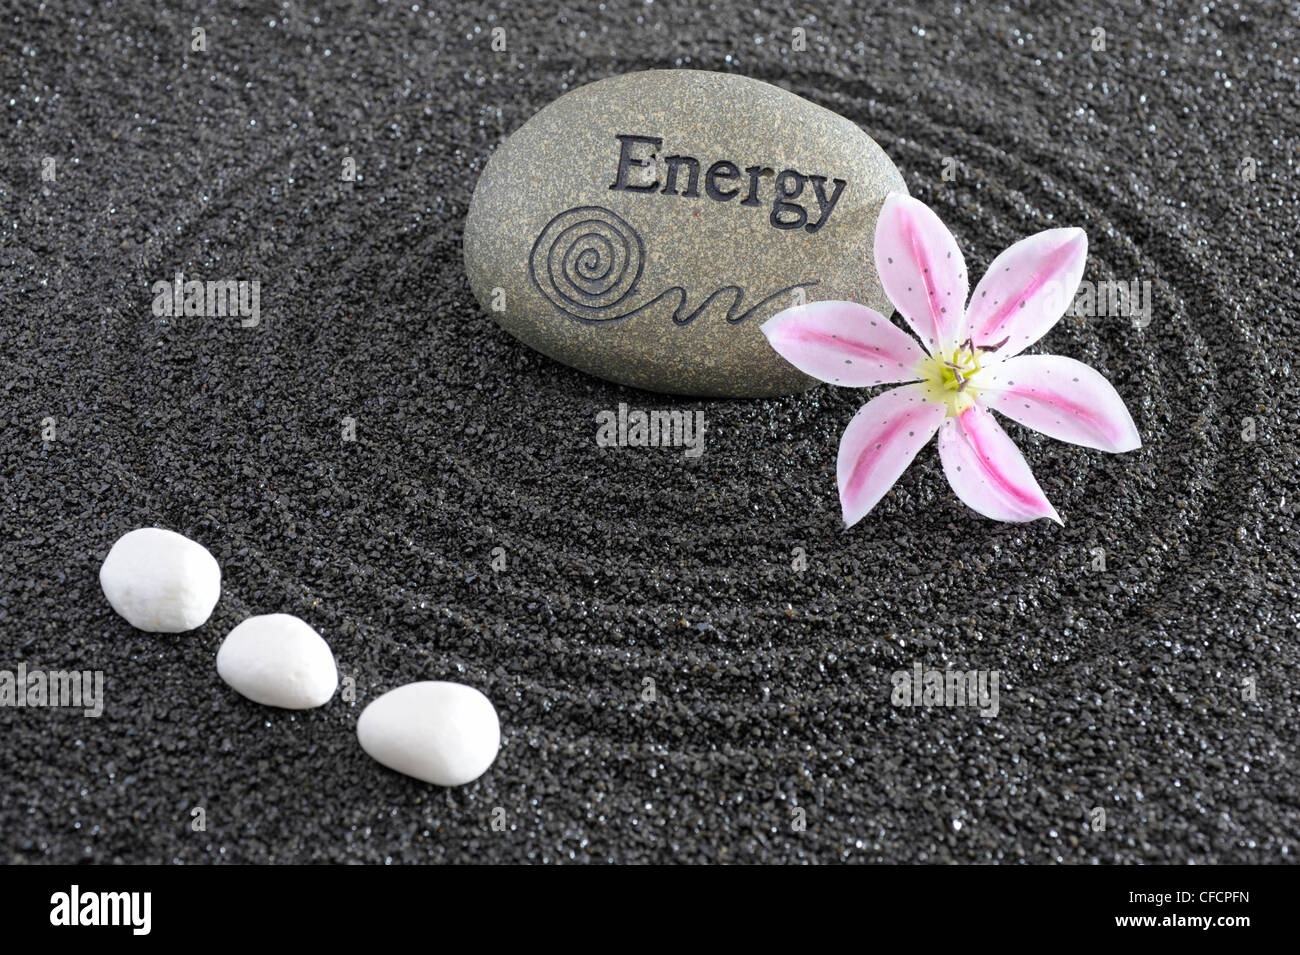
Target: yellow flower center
<point>953,377</point>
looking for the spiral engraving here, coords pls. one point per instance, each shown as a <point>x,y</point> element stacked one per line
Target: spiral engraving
<point>587,261</point>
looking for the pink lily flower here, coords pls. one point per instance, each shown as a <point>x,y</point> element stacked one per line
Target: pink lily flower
<point>971,365</point>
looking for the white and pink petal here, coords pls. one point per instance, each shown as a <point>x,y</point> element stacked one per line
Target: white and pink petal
<point>987,470</point>
<point>845,344</point>
<point>880,442</point>
<point>1063,398</point>
<point>922,270</point>
<point>1027,289</point>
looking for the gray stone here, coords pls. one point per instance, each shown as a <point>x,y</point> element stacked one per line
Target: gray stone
<point>643,227</point>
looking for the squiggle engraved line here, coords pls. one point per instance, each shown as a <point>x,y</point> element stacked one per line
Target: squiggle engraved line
<point>595,249</point>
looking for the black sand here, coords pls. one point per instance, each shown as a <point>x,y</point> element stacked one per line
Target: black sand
<point>1121,689</point>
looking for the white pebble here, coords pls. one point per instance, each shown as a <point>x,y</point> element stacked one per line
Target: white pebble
<point>161,581</point>
<point>447,734</point>
<point>278,660</point>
